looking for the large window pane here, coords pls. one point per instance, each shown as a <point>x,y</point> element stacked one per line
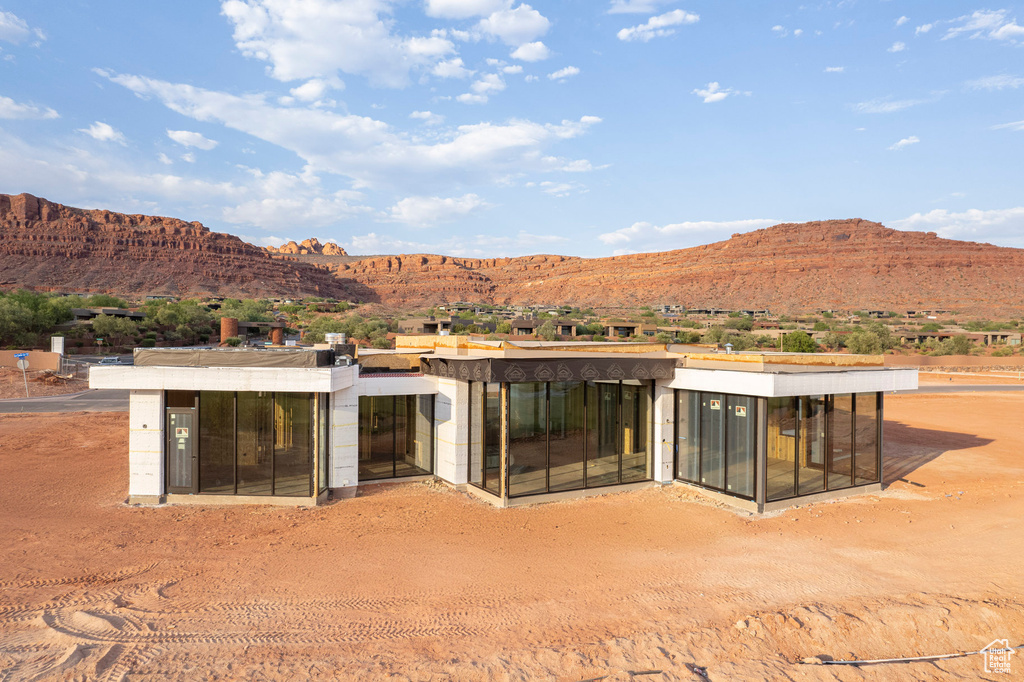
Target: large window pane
<point>602,434</point>
<point>528,438</point>
<point>687,438</point>
<point>811,459</point>
<point>376,437</point>
<point>255,443</point>
<point>636,429</point>
<point>782,425</point>
<point>712,436</point>
<point>840,465</point>
<point>322,457</point>
<point>217,442</point>
<point>741,441</point>
<point>866,442</point>
<point>424,460</point>
<point>412,436</point>
<point>492,439</point>
<point>293,444</point>
<point>566,435</point>
<point>476,433</point>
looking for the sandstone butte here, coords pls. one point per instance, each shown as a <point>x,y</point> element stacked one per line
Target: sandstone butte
<point>308,247</point>
<point>50,247</point>
<point>834,264</point>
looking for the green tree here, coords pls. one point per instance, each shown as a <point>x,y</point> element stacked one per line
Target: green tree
<point>862,342</point>
<point>247,310</point>
<point>105,301</point>
<point>799,342</point>
<point>547,331</point>
<point>114,329</point>
<point>821,326</point>
<point>831,341</point>
<point>663,337</point>
<point>504,328</point>
<point>16,322</point>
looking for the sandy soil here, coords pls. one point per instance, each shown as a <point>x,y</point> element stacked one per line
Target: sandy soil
<point>418,582</point>
<point>12,385</point>
<point>970,378</point>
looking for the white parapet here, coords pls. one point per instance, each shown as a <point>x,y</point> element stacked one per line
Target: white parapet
<point>664,434</point>
<point>291,379</point>
<point>397,384</point>
<point>780,384</point>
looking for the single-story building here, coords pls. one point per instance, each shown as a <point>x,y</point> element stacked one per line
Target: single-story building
<point>510,423</point>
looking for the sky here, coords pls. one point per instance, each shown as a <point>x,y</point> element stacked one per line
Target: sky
<point>504,128</point>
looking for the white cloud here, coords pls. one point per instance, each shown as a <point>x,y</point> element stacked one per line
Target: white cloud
<point>636,6</point>
<point>473,246</point>
<point>897,47</point>
<point>658,26</point>
<point>1016,126</point>
<point>515,68</point>
<point>923,28</point>
<point>188,138</point>
<point>561,189</point>
<point>319,38</point>
<point>904,143</point>
<point>1001,82</point>
<point>426,211</point>
<point>463,9</point>
<point>531,52</point>
<point>835,69</point>
<point>279,200</point>
<point>428,117</point>
<point>902,20</point>
<point>643,236</point>
<point>1002,226</point>
<point>14,29</point>
<point>562,74</point>
<point>988,24</point>
<point>487,84</point>
<point>515,26</point>
<point>188,157</point>
<point>779,28</point>
<point>364,149</point>
<point>451,68</point>
<point>315,88</point>
<point>164,159</point>
<point>104,133</point>
<point>9,109</point>
<point>798,32</point>
<point>886,106</point>
<point>714,92</point>
<point>470,98</point>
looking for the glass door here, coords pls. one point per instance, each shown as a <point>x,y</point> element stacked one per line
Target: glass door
<point>182,462</point>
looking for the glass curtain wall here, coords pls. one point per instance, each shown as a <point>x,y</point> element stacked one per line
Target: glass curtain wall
<point>818,443</point>
<point>395,436</point>
<point>485,436</point>
<point>258,443</point>
<point>575,435</point>
<point>716,441</point>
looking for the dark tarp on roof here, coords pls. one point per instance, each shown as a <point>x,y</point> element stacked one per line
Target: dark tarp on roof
<point>165,357</point>
<point>520,370</point>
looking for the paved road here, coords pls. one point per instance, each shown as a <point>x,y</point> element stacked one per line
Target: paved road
<point>101,400</point>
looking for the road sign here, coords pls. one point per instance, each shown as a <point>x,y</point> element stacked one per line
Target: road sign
<point>22,363</point>
<point>21,355</point>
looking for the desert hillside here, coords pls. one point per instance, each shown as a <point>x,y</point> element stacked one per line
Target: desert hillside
<point>48,246</point>
<point>834,264</point>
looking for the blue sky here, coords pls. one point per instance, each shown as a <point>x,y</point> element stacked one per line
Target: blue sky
<point>500,128</point>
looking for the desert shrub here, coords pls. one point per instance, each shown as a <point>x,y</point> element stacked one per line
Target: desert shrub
<point>233,341</point>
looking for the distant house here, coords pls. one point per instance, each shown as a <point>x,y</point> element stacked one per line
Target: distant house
<point>86,315</point>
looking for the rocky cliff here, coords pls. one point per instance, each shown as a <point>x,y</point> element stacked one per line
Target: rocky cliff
<point>835,264</point>
<point>48,246</point>
<point>308,247</point>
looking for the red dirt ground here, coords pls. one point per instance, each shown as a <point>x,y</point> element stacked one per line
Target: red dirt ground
<point>418,582</point>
